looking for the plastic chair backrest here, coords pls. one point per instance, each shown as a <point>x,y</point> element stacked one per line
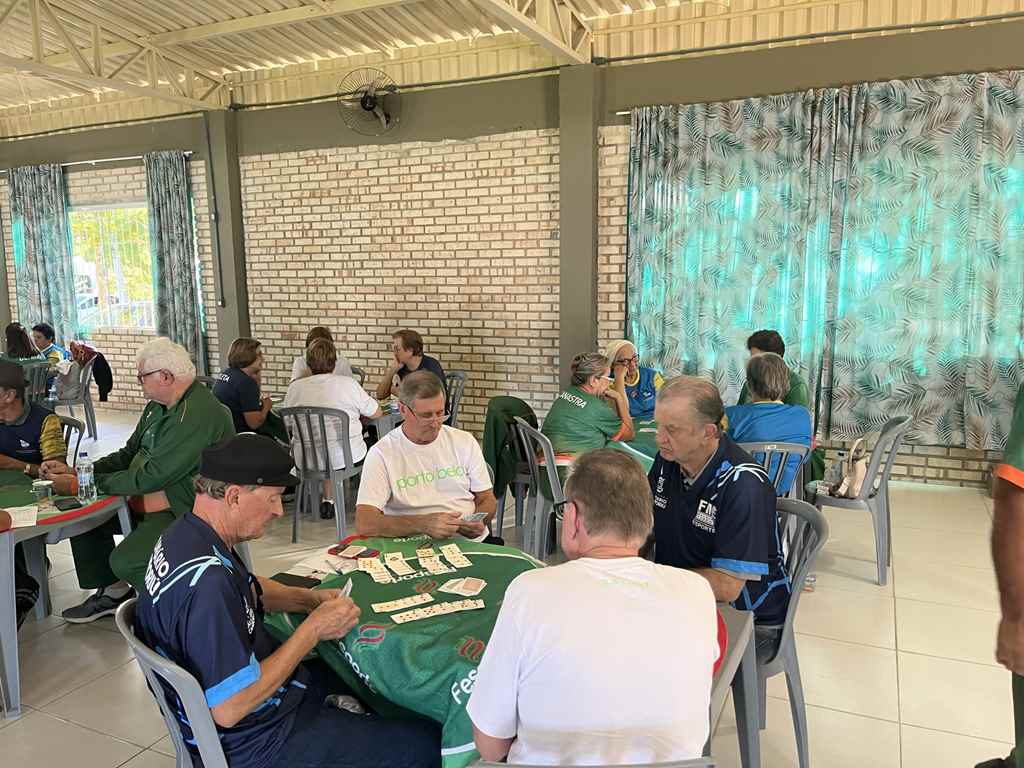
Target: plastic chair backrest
<point>36,376</point>
<point>156,668</point>
<point>85,380</point>
<point>73,430</point>
<point>358,374</point>
<point>455,383</point>
<point>307,425</point>
<point>765,453</point>
<point>207,380</point>
<point>886,448</point>
<point>808,536</point>
<point>536,444</point>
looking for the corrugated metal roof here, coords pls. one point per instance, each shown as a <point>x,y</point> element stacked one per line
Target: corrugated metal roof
<point>272,50</point>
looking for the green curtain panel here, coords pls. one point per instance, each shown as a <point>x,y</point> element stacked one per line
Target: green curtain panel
<point>43,275</point>
<point>878,227</point>
<point>172,240</point>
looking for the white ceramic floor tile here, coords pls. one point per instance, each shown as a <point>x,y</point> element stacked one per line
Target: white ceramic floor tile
<point>937,582</point>
<point>836,739</point>
<point>38,739</point>
<point>163,746</point>
<point>951,632</point>
<point>59,661</point>
<point>850,534</point>
<point>866,619</point>
<point>59,562</point>
<point>32,628</point>
<point>851,574</point>
<point>150,759</point>
<point>118,704</point>
<point>942,514</point>
<point>936,749</point>
<point>956,548</point>
<point>955,696</point>
<point>851,678</point>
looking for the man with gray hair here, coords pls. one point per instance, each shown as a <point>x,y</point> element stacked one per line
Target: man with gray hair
<point>154,470</point>
<point>584,666</point>
<point>714,506</point>
<point>425,477</point>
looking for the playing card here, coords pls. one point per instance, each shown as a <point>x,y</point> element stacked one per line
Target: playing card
<point>474,517</point>
<point>454,555</point>
<point>405,602</point>
<point>352,550</point>
<point>434,565</point>
<point>451,586</point>
<point>425,552</point>
<point>471,586</point>
<point>396,563</point>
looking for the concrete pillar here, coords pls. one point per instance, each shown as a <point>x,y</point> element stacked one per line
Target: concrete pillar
<point>578,112</point>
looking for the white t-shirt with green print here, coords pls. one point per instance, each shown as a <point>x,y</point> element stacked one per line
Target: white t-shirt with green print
<point>403,478</point>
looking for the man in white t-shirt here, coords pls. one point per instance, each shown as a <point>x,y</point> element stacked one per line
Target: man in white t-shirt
<point>424,477</point>
<point>606,659</point>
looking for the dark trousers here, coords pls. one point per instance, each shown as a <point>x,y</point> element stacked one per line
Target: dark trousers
<point>99,563</point>
<point>325,737</point>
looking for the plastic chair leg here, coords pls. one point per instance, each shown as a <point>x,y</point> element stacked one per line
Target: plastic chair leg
<point>878,523</point>
<point>90,419</point>
<point>499,515</point>
<point>520,490</point>
<point>797,705</point>
<point>295,512</point>
<point>340,506</point>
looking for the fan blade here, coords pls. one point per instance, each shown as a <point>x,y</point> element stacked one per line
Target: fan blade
<point>382,117</point>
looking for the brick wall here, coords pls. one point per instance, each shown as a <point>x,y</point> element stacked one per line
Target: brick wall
<point>458,239</point>
<point>106,185</point>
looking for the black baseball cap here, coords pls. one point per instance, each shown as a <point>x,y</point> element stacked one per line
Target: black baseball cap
<point>12,375</point>
<point>249,459</point>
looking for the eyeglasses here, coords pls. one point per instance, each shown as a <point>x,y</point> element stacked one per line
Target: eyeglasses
<point>141,376</point>
<point>427,416</point>
<point>628,360</point>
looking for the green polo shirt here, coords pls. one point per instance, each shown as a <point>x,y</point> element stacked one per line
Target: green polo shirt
<point>164,450</point>
<point>797,394</point>
<point>1012,467</point>
<point>579,422</point>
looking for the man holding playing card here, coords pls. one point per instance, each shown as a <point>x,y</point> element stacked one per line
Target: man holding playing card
<point>425,477</point>
<point>203,610</point>
<point>562,683</point>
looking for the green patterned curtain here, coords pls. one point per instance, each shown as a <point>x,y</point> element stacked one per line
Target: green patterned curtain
<point>43,275</point>
<point>172,240</point>
<point>878,227</point>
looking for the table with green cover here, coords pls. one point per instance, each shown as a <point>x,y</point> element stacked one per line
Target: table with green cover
<point>52,525</point>
<point>426,667</point>
<point>643,447</point>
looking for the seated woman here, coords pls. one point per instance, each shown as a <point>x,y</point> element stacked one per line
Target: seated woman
<point>325,389</point>
<point>766,419</point>
<point>238,387</point>
<point>639,385</point>
<point>589,414</point>
<point>299,368</point>
<point>19,346</point>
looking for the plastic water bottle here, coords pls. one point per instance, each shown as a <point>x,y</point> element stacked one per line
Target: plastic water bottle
<point>86,485</point>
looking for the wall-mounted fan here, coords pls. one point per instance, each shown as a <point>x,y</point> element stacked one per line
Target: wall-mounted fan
<point>369,102</point>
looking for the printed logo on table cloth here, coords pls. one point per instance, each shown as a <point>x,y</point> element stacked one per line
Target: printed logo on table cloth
<point>472,648</point>
<point>426,585</point>
<point>371,635</point>
<point>428,477</point>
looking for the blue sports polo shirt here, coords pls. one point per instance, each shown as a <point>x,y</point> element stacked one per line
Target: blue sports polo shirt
<point>202,610</point>
<point>725,519</point>
<point>240,393</point>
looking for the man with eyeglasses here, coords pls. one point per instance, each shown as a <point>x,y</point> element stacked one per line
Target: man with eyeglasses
<point>424,477</point>
<point>154,470</point>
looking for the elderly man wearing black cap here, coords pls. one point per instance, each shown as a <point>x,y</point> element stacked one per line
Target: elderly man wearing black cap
<point>202,609</point>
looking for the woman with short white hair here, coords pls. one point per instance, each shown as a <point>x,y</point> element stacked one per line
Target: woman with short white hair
<point>639,384</point>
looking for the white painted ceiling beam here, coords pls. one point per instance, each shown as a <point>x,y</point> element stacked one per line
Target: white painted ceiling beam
<point>552,24</point>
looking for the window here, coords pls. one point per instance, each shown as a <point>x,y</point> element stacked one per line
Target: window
<point>113,266</point>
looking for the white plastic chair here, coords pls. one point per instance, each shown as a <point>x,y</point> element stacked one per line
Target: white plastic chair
<point>83,399</point>
<point>543,477</point>
<point>455,383</point>
<point>777,456</point>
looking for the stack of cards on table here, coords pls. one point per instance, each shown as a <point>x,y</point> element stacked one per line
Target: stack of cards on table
<point>428,559</point>
<point>396,562</point>
<point>467,587</point>
<point>376,569</point>
<point>438,609</point>
<point>454,555</point>
<point>404,602</point>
